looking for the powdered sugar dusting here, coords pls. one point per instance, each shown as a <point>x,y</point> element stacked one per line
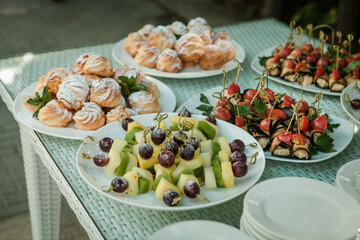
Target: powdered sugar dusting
<point>106,89</point>
<point>90,113</point>
<point>187,41</point>
<point>73,91</point>
<point>178,27</point>
<point>60,111</point>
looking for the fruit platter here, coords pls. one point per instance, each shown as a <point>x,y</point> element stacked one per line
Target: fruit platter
<point>329,68</point>
<point>287,129</point>
<point>171,161</point>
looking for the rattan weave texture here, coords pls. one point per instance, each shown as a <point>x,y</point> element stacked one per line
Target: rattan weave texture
<point>119,221</point>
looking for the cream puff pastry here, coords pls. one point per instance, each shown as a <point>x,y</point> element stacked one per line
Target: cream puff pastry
<point>190,47</point>
<point>54,77</point>
<point>146,29</point>
<point>169,61</point>
<point>74,91</point>
<point>144,102</point>
<point>221,35</point>
<point>203,32</point>
<point>28,106</point>
<point>199,21</point>
<point>178,28</point>
<point>80,61</point>
<point>162,38</point>
<point>133,42</point>
<point>151,87</point>
<point>98,65</point>
<point>107,93</point>
<point>214,58</point>
<point>119,112</point>
<point>55,114</point>
<point>40,84</point>
<point>90,117</point>
<point>129,72</point>
<point>147,56</point>
<point>228,47</point>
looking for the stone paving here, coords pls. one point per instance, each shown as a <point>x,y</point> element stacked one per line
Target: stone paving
<point>44,25</point>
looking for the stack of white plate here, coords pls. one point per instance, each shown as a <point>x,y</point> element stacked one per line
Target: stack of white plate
<point>299,208</point>
<point>348,179</point>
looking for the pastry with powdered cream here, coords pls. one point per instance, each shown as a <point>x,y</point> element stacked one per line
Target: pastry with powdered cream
<point>129,72</point>
<point>161,37</point>
<point>228,47</point>
<point>54,77</point>
<point>73,91</point>
<point>146,29</point>
<point>213,58</point>
<point>133,42</point>
<point>119,112</point>
<point>221,35</point>
<point>90,117</point>
<point>190,47</point>
<point>144,102</point>
<point>107,93</point>
<point>199,21</point>
<point>98,65</point>
<point>169,61</point>
<point>203,32</point>
<point>147,56</point>
<point>151,87</point>
<point>55,114</point>
<point>178,28</point>
<point>80,62</point>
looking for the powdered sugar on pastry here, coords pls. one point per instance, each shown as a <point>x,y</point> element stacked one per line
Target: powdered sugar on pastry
<point>144,102</point>
<point>147,56</point>
<point>169,61</point>
<point>54,77</point>
<point>196,22</point>
<point>54,114</point>
<point>145,30</point>
<point>99,65</point>
<point>178,27</point>
<point>106,92</point>
<point>190,47</point>
<point>133,42</point>
<point>203,32</point>
<point>227,47</point>
<point>129,72</point>
<point>151,86</point>
<point>162,38</point>
<point>119,112</point>
<point>73,91</point>
<point>90,113</point>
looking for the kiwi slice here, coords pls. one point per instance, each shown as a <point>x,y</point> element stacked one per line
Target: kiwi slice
<point>217,172</point>
<point>206,129</point>
<point>198,171</point>
<point>127,148</point>
<point>215,147</point>
<point>121,169</point>
<point>143,185</point>
<point>130,136</point>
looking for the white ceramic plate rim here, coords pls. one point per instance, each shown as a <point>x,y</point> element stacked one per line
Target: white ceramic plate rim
<point>241,184</point>
<point>339,143</point>
<point>355,115</point>
<point>309,88</point>
<point>167,101</point>
<point>197,228</point>
<point>345,178</point>
<point>123,57</point>
<point>254,206</point>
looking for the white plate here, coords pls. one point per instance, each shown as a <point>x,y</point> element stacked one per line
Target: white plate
<point>255,65</point>
<point>342,135</point>
<point>123,57</point>
<point>348,179</point>
<point>167,102</point>
<point>353,93</point>
<point>199,230</point>
<point>302,208</point>
<point>97,178</point>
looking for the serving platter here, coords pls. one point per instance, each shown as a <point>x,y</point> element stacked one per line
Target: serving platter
<point>348,179</point>
<point>255,65</point>
<point>123,57</point>
<point>342,135</point>
<point>167,101</point>
<point>97,179</point>
<point>353,92</point>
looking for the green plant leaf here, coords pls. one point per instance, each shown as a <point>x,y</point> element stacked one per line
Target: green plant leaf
<point>324,143</point>
<point>352,66</point>
<point>244,110</point>
<point>260,106</point>
<point>124,89</point>
<point>204,99</point>
<point>205,108</point>
<point>331,126</point>
<point>262,60</point>
<point>138,87</point>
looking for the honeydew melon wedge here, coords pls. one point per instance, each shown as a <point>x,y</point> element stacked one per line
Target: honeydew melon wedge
<point>224,144</point>
<point>177,171</point>
<point>205,146</point>
<point>114,156</point>
<point>164,186</point>
<point>207,158</point>
<point>210,181</point>
<point>133,185</point>
<point>161,169</point>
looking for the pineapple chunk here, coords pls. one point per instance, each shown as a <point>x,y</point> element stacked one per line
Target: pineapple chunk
<point>132,178</point>
<point>185,178</point>
<point>148,163</point>
<point>133,125</point>
<point>118,144</point>
<point>199,135</point>
<point>227,174</point>
<point>132,162</point>
<point>224,156</point>
<point>164,186</point>
<point>205,146</point>
<point>162,125</point>
<point>114,156</point>
<point>224,144</point>
<point>210,181</point>
<point>159,168</point>
<point>175,119</point>
<point>145,174</point>
<point>177,171</point>
<point>193,164</point>
<point>207,158</point>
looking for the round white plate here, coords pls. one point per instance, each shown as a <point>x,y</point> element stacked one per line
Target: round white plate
<point>302,208</point>
<point>123,57</point>
<point>97,178</point>
<point>348,179</point>
<point>255,65</point>
<point>342,135</point>
<point>353,93</point>
<point>199,230</point>
<point>167,102</point>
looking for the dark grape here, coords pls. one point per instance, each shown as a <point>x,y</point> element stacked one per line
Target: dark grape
<point>191,189</point>
<point>187,152</point>
<point>125,122</point>
<point>194,142</point>
<point>172,147</point>
<point>166,158</point>
<point>105,144</point>
<point>101,160</point>
<point>239,169</point>
<point>185,113</point>
<point>355,104</point>
<point>171,198</point>
<point>158,136</point>
<point>238,157</point>
<point>146,150</point>
<point>180,138</point>
<point>237,145</point>
<point>211,120</point>
<point>119,184</point>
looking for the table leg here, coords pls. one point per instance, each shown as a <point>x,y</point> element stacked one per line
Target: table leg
<point>43,194</point>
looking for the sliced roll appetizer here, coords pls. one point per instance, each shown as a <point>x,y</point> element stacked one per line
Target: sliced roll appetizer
<point>332,68</point>
<point>173,161</point>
